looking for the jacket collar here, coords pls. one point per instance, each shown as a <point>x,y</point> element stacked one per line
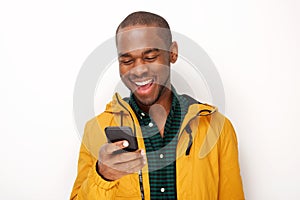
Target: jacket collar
<point>118,105</point>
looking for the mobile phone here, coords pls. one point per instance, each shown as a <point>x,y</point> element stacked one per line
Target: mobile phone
<point>118,133</point>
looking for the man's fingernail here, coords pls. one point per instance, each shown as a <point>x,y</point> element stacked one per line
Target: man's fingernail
<point>143,152</point>
<point>125,144</point>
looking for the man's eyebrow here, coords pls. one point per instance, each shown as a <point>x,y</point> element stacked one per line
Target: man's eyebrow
<point>124,55</point>
<point>151,50</point>
<point>145,52</point>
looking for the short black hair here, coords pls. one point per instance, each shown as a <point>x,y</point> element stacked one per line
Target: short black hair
<point>148,19</point>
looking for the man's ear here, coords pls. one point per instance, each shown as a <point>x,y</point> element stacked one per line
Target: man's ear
<point>173,52</point>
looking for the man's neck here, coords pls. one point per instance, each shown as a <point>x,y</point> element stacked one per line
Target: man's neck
<point>160,110</point>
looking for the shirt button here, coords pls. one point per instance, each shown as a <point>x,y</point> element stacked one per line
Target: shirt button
<point>150,124</point>
<point>161,155</point>
<point>162,189</point>
<point>143,114</point>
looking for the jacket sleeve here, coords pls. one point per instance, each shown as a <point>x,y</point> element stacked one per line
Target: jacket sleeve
<point>88,184</point>
<point>230,182</point>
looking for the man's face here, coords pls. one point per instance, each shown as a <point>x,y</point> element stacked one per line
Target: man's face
<point>144,63</point>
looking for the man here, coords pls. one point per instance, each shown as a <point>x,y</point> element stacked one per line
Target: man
<point>187,150</point>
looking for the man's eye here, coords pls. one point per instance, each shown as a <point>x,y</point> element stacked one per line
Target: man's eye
<point>150,58</point>
<point>126,62</point>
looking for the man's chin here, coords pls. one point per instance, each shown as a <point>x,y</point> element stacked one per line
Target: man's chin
<point>149,100</point>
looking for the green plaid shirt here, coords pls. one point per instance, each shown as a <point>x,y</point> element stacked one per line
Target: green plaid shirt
<point>161,151</point>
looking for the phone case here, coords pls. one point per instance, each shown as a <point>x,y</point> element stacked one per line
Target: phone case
<point>118,133</point>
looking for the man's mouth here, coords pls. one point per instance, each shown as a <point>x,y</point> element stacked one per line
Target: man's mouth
<point>144,86</point>
<point>143,83</point>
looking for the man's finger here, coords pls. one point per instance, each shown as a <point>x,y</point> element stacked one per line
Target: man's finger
<point>111,147</point>
<point>131,166</point>
<point>128,156</point>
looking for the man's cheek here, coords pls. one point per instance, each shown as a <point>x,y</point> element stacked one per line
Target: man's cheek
<point>127,82</point>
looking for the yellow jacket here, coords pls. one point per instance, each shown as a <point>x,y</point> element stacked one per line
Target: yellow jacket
<point>208,170</point>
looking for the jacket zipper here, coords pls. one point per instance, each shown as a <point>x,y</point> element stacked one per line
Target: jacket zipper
<point>134,132</point>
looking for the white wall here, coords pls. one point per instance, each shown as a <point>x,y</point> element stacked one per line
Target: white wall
<point>254,45</point>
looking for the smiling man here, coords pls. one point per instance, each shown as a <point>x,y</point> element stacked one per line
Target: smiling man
<point>187,150</point>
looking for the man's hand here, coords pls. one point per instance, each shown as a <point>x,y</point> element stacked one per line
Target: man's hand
<point>113,166</point>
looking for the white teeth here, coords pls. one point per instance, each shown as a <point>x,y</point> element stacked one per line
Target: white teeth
<point>143,82</point>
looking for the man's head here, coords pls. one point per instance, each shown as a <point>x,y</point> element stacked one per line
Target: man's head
<point>148,19</point>
<point>145,51</point>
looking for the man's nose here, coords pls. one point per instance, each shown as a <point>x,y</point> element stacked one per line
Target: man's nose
<point>140,68</point>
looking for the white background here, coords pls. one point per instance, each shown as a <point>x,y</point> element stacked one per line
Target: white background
<point>253,43</point>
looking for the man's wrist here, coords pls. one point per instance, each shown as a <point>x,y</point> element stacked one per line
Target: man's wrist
<point>98,172</point>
